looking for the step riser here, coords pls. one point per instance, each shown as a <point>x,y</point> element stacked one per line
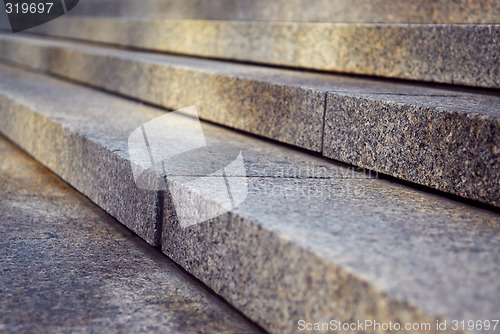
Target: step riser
<point>417,143</point>
<point>265,275</point>
<point>224,98</point>
<point>454,54</point>
<point>103,176</point>
<point>413,133</point>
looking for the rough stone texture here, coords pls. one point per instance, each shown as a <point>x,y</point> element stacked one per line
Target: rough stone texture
<point>452,145</point>
<point>248,98</point>
<point>369,11</point>
<point>61,128</point>
<point>35,204</point>
<point>316,245</point>
<point>68,267</point>
<point>344,249</point>
<point>333,245</point>
<point>456,54</point>
<point>368,123</point>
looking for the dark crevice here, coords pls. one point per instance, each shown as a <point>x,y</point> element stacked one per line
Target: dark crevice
<point>160,200</point>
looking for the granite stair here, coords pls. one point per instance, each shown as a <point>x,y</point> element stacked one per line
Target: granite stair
<point>355,11</point>
<point>442,137</point>
<point>314,164</point>
<point>314,240</point>
<point>458,54</point>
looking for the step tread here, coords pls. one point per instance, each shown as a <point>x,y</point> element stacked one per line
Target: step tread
<point>299,246</point>
<point>443,138</point>
<point>459,54</point>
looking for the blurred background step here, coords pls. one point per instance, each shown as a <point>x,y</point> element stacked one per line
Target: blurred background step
<point>441,137</point>
<point>459,54</point>
<point>312,240</point>
<point>355,11</point>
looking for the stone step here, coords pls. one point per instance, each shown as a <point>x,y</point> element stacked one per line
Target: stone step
<point>447,139</point>
<point>354,11</point>
<point>292,239</point>
<point>68,267</point>
<point>459,54</point>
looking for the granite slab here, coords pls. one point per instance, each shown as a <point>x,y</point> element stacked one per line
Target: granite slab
<point>325,246</point>
<point>389,127</point>
<point>69,267</point>
<point>330,247</point>
<point>82,134</point>
<point>458,54</point>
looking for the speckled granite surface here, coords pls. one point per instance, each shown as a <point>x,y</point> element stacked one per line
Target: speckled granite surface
<point>456,54</point>
<point>237,96</point>
<point>68,267</point>
<point>318,250</point>
<point>335,247</point>
<point>57,132</point>
<point>450,142</point>
<point>447,139</point>
<point>315,245</point>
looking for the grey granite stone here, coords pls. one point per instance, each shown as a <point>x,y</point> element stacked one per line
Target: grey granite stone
<point>450,143</point>
<point>455,54</point>
<point>369,11</point>
<point>287,106</point>
<point>35,204</point>
<point>62,130</point>
<point>247,98</point>
<point>68,267</point>
<point>378,249</point>
<point>343,249</point>
<point>313,246</point>
<point>82,135</point>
